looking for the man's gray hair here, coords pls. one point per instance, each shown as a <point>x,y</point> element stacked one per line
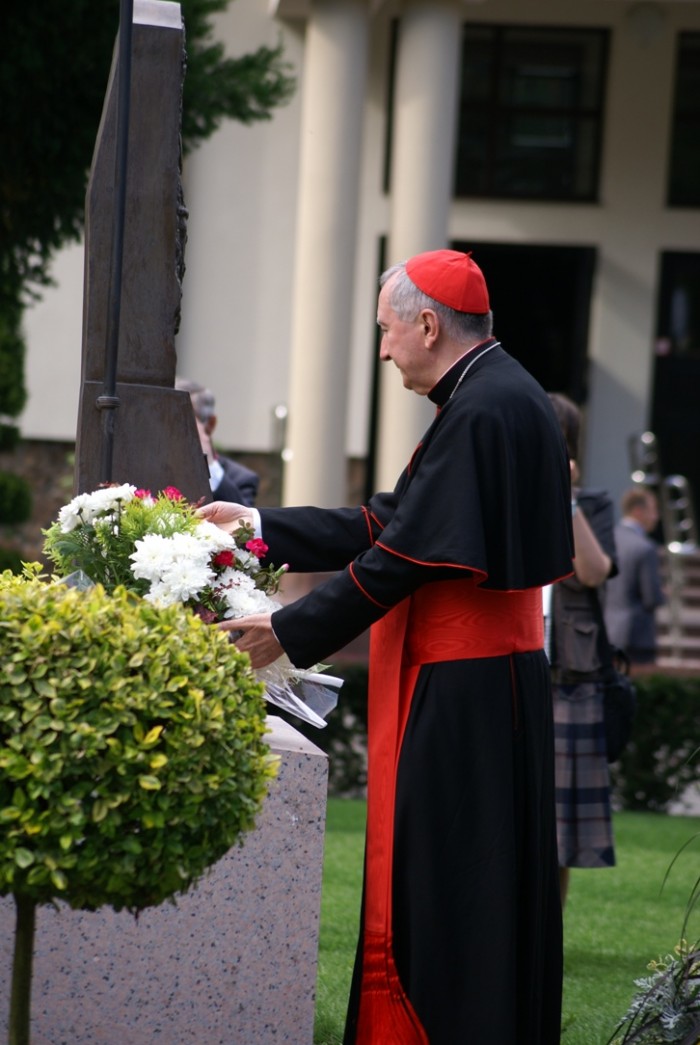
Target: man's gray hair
<point>407,301</point>
<point>203,401</point>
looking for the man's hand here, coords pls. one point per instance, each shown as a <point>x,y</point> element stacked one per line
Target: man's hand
<point>258,639</point>
<point>226,515</point>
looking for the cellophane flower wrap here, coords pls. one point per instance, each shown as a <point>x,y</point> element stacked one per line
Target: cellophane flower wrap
<point>157,547</point>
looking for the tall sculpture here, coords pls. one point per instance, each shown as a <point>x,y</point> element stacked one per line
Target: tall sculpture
<point>151,427</point>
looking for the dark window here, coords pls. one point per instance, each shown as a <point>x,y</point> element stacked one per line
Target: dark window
<point>547,333</point>
<point>531,112</point>
<point>684,177</point>
<point>675,416</point>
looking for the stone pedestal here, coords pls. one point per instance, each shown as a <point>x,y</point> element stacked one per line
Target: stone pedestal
<point>233,963</point>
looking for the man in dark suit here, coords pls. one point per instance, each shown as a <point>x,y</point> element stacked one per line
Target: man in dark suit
<point>633,595</point>
<point>230,481</point>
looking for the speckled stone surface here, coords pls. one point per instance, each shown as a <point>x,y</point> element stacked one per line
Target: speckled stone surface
<point>234,963</point>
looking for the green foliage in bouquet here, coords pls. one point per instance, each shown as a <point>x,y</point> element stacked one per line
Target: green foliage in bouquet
<point>101,541</point>
<point>131,753</point>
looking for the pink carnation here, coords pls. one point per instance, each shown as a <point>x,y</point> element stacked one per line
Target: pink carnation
<point>143,495</point>
<point>172,493</point>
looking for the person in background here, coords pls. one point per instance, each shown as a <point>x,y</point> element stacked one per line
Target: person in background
<point>584,823</point>
<point>461,918</point>
<point>229,480</point>
<point>636,592</point>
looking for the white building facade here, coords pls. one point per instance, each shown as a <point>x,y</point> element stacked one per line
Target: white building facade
<point>554,138</point>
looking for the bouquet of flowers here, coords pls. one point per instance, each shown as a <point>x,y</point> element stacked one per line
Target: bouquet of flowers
<point>157,547</point>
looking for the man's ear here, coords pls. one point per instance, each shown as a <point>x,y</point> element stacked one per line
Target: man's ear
<point>431,326</point>
<point>210,424</point>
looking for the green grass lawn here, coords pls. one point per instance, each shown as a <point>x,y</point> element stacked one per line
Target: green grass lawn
<point>616,919</point>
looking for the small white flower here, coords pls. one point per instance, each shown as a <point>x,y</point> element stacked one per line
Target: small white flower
<point>245,560</point>
<point>77,512</point>
<point>214,538</point>
<point>86,507</point>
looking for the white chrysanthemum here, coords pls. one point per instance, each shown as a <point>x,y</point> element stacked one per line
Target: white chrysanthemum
<point>107,498</point>
<point>245,560</point>
<point>185,579</point>
<point>177,566</point>
<point>152,556</point>
<point>213,537</point>
<point>187,544</point>
<point>77,512</point>
<point>231,577</point>
<point>242,597</point>
<point>160,595</point>
<point>84,508</point>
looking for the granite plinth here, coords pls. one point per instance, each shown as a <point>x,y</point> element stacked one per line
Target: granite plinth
<point>233,963</point>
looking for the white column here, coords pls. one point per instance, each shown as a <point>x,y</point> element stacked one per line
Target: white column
<point>333,94</point>
<point>422,165</point>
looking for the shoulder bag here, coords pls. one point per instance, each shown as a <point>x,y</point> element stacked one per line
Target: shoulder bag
<point>619,693</point>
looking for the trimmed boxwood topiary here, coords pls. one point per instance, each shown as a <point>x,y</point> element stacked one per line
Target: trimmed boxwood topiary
<point>132,752</point>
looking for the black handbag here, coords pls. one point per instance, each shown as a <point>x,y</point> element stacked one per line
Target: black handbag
<point>619,693</point>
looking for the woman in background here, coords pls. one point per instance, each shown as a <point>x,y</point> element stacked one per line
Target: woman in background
<point>584,826</point>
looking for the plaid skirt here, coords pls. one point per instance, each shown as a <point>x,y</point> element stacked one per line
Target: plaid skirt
<point>584,825</point>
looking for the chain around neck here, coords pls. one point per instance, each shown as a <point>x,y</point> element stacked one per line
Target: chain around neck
<point>469,365</point>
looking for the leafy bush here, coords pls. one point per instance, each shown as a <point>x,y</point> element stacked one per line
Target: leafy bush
<point>661,760</point>
<point>131,746</point>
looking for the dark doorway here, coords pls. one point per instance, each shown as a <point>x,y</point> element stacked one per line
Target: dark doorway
<point>675,416</point>
<point>540,297</point>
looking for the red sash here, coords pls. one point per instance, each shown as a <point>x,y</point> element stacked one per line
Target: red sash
<point>448,620</point>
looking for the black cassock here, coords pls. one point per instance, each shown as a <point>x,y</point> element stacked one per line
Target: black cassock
<point>486,499</point>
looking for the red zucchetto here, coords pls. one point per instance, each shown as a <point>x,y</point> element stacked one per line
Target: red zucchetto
<point>450,277</point>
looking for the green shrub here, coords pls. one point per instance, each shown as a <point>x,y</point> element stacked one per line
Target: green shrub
<point>131,746</point>
<point>662,759</point>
